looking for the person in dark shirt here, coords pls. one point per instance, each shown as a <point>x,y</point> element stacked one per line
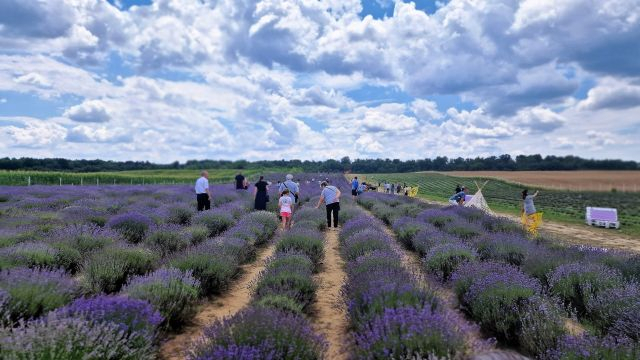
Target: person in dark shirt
<point>240,182</point>
<point>458,188</point>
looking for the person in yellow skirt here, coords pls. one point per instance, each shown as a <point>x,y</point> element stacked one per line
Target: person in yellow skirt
<point>531,219</point>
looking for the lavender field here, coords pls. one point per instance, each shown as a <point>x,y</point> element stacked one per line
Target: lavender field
<point>128,272</point>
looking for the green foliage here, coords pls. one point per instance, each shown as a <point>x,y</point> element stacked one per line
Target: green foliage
<point>213,272</point>
<point>107,270</point>
<point>280,302</point>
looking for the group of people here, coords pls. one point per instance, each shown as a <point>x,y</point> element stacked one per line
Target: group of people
<point>288,197</point>
<point>393,188</point>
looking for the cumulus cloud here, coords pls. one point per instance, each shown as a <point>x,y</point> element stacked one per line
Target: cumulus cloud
<point>34,133</point>
<point>612,94</point>
<point>273,79</point>
<point>539,120</point>
<point>89,111</point>
<point>86,134</point>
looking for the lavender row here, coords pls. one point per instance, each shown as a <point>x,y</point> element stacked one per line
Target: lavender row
<point>493,265</point>
<point>169,296</point>
<point>274,326</point>
<point>391,315</point>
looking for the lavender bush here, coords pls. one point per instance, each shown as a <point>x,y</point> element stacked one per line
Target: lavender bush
<point>408,332</point>
<point>616,311</point>
<point>217,221</point>
<point>167,239</point>
<point>107,270</point>
<point>593,348</point>
<point>443,259</point>
<point>406,228</point>
<point>576,283</point>
<point>507,247</point>
<point>290,275</point>
<point>310,242</point>
<point>133,226</point>
<point>172,292</point>
<point>33,292</point>
<point>136,318</point>
<point>209,265</point>
<point>72,338</point>
<point>365,242</point>
<point>260,333</point>
<point>180,215</point>
<point>28,254</point>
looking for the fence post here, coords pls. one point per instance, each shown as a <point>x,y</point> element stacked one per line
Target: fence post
<point>29,181</point>
<point>60,181</point>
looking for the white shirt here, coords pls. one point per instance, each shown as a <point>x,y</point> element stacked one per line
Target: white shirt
<point>285,203</point>
<point>202,185</point>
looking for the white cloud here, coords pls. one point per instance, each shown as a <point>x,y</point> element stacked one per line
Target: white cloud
<point>613,94</point>
<point>35,134</point>
<point>89,111</point>
<point>269,79</point>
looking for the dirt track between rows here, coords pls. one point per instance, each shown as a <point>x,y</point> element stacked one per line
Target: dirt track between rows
<point>233,300</point>
<point>329,310</point>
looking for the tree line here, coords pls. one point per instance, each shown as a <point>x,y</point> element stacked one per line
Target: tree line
<point>440,163</point>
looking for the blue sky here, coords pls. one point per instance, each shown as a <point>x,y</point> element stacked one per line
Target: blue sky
<point>165,80</point>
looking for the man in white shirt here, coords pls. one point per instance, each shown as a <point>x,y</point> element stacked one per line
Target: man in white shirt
<point>293,188</point>
<point>203,195</point>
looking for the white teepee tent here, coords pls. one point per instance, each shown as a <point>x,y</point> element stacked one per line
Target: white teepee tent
<point>478,200</point>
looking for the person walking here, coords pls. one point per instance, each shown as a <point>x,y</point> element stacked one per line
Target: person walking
<point>203,195</point>
<point>393,188</point>
<point>531,219</point>
<point>240,182</point>
<point>290,185</point>
<point>260,191</point>
<point>458,198</point>
<point>330,195</point>
<point>354,188</point>
<point>286,204</point>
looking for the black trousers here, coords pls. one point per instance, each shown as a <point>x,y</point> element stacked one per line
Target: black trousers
<point>335,209</point>
<point>203,202</point>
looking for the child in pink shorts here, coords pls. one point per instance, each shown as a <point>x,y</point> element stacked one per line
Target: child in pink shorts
<point>286,209</point>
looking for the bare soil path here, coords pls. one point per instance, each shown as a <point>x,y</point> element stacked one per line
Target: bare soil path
<point>329,311</point>
<point>233,300</point>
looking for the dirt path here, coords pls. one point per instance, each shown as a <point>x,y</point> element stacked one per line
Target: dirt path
<point>329,311</point>
<point>233,300</point>
<point>577,234</point>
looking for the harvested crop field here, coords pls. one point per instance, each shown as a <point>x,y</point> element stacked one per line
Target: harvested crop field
<point>592,180</point>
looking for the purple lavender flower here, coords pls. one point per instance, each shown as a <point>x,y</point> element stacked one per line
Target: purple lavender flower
<point>575,283</point>
<point>409,332</point>
<point>364,242</point>
<point>617,311</point>
<point>406,228</point>
<point>172,292</point>
<point>444,259</point>
<point>593,348</point>
<point>28,254</point>
<point>133,226</point>
<point>131,315</point>
<point>507,247</point>
<point>34,292</point>
<point>260,333</point>
<point>72,338</point>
